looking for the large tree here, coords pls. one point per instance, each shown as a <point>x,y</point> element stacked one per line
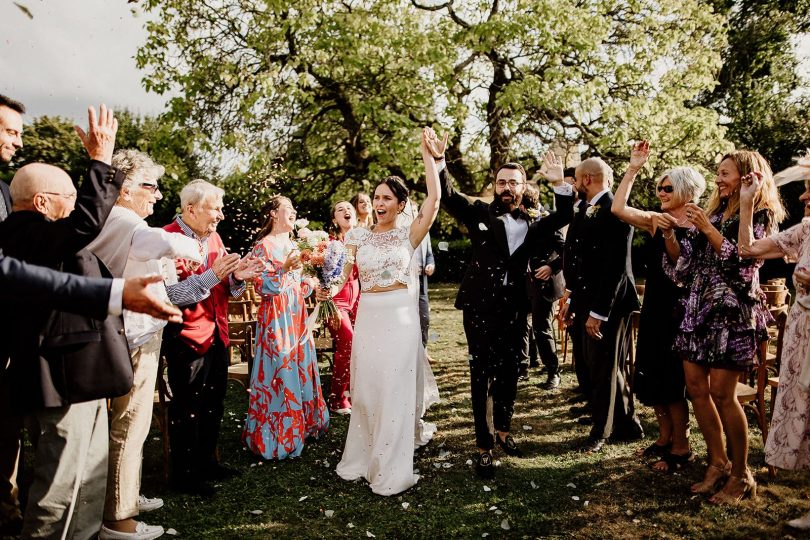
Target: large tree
<point>51,139</point>
<point>337,89</point>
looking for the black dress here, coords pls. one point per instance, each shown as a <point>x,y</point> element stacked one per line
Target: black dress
<point>659,377</point>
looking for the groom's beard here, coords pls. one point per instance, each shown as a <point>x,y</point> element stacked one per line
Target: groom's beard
<point>504,206</point>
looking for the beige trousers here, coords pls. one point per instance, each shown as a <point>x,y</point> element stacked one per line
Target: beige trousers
<point>130,419</point>
<point>70,472</point>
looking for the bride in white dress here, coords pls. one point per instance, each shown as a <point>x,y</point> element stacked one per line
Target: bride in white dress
<point>387,365</point>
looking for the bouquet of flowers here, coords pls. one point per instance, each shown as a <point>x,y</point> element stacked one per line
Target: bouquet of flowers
<point>323,259</point>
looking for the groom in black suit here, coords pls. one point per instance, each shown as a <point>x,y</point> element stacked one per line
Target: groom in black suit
<point>602,297</point>
<point>493,296</point>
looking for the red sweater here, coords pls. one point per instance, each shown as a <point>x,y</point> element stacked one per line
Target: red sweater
<point>202,320</point>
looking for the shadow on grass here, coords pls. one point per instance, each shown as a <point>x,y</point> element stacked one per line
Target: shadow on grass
<point>530,498</point>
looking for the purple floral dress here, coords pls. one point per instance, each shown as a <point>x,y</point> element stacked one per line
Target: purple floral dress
<point>725,315</point>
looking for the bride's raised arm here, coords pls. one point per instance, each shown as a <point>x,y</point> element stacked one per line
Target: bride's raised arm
<point>430,207</point>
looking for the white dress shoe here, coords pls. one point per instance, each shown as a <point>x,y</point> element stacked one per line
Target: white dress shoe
<point>145,504</point>
<point>142,532</point>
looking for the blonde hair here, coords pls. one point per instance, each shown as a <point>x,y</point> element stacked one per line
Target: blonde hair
<point>766,198</point>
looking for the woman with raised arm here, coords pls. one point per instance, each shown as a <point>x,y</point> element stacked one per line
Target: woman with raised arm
<point>344,219</point>
<point>659,380</point>
<point>725,317</point>
<point>385,426</point>
<point>788,445</point>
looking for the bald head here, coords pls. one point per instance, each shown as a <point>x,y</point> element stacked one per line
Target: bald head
<point>592,176</point>
<point>43,188</point>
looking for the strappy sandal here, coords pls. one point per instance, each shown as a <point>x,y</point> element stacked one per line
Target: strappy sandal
<point>674,462</point>
<point>749,490</point>
<point>654,450</point>
<point>720,473</point>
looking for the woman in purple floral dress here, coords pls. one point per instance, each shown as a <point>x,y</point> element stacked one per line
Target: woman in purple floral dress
<point>725,316</point>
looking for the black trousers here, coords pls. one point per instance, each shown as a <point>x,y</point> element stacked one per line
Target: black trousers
<point>198,385</point>
<point>580,365</point>
<point>544,341</point>
<point>495,341</point>
<point>610,399</point>
<point>424,309</point>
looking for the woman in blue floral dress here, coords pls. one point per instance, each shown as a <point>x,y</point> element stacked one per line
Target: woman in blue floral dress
<point>725,316</point>
<point>286,402</point>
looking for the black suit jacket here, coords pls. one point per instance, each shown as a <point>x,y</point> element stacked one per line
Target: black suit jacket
<point>547,250</point>
<point>597,262</point>
<point>22,284</point>
<point>54,354</point>
<point>6,195</point>
<point>483,284</point>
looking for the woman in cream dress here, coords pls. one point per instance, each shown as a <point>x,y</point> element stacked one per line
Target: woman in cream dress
<point>387,370</point>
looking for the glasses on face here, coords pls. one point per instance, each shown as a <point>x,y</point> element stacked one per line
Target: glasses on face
<point>67,196</point>
<point>511,183</point>
<point>666,189</point>
<point>153,188</point>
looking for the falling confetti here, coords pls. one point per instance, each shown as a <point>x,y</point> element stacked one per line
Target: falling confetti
<point>329,513</point>
<point>505,525</point>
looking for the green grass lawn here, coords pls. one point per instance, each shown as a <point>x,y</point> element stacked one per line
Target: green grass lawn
<point>554,492</point>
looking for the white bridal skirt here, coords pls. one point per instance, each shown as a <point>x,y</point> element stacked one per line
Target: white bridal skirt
<point>391,387</point>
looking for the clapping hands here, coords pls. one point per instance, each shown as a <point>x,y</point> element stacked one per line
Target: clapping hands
<point>99,140</point>
<point>249,267</point>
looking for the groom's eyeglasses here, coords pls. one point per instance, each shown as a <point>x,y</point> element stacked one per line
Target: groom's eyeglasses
<point>666,189</point>
<point>512,183</point>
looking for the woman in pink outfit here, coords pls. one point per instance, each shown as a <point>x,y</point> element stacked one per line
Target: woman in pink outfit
<point>344,218</point>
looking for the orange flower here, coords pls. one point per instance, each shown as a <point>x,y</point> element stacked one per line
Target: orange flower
<point>306,255</point>
<point>317,259</point>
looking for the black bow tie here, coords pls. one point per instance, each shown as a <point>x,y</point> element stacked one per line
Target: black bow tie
<point>517,213</point>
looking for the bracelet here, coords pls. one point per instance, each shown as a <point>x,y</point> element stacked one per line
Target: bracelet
<point>670,237</point>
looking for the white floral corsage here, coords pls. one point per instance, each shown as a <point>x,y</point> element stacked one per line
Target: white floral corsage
<point>534,213</point>
<point>592,210</point>
<point>482,227</point>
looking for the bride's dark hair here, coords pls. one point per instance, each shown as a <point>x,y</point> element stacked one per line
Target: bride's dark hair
<point>397,187</point>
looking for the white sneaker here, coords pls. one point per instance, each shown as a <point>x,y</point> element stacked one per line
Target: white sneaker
<point>342,412</point>
<point>142,532</point>
<point>802,523</point>
<point>145,504</point>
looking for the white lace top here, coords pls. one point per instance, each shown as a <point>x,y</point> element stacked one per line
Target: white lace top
<point>382,258</point>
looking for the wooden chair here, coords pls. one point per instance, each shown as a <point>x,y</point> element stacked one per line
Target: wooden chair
<point>780,315</point>
<point>751,390</point>
<point>160,412</point>
<point>240,329</point>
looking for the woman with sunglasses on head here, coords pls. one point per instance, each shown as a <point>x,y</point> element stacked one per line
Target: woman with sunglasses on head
<point>725,318</point>
<point>658,381</point>
<point>344,219</point>
<point>788,445</point>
